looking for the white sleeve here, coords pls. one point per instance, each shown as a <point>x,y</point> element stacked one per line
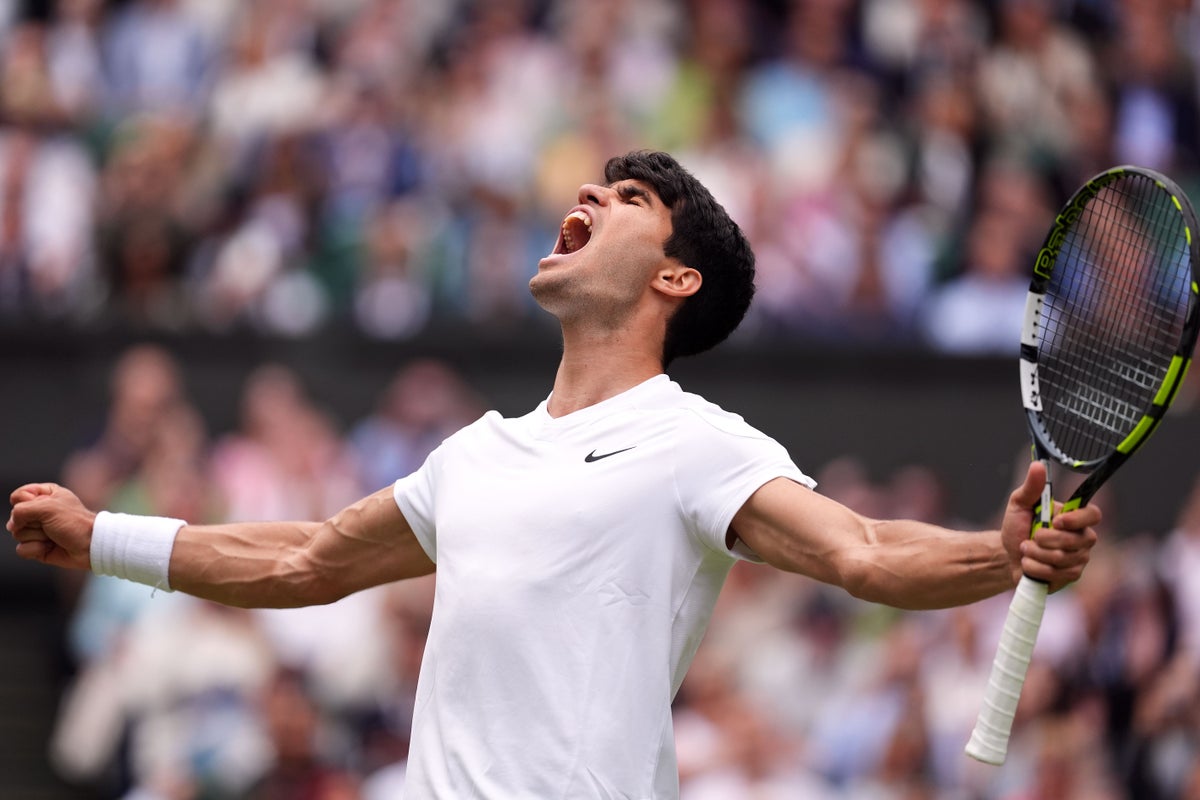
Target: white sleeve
<point>721,462</point>
<point>416,496</point>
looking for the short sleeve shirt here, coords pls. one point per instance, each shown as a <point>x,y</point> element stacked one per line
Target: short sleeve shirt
<point>578,562</point>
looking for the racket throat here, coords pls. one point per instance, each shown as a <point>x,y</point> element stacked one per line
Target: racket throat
<point>1043,513</point>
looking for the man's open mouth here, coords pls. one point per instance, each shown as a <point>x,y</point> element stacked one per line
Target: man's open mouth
<point>576,231</point>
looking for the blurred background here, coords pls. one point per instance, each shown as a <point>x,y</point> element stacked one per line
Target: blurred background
<point>258,258</point>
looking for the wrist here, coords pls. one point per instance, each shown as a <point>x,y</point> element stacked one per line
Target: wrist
<point>1007,555</point>
<point>133,547</point>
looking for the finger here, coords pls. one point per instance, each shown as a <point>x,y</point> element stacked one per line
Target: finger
<point>28,514</point>
<point>29,491</point>
<point>1055,567</point>
<point>1052,556</point>
<point>30,535</point>
<point>1078,519</point>
<point>35,551</point>
<point>1066,539</point>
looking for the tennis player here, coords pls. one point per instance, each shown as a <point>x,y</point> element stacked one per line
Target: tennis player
<point>580,548</point>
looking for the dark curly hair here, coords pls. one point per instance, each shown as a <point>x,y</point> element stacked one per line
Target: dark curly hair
<point>704,238</point>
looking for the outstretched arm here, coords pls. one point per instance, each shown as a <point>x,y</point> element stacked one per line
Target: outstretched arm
<point>249,564</point>
<point>911,564</point>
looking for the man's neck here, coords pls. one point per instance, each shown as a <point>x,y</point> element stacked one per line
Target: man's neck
<point>591,372</point>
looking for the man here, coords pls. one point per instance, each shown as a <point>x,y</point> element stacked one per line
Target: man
<point>580,548</point>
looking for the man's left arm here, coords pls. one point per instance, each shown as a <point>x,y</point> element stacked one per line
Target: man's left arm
<point>910,564</point>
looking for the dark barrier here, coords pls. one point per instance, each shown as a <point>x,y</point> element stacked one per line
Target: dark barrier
<point>960,417</point>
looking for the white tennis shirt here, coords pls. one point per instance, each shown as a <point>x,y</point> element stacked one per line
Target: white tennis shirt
<point>578,562</point>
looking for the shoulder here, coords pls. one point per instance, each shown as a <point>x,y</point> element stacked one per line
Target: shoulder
<point>701,416</point>
<point>481,428</point>
<point>489,421</point>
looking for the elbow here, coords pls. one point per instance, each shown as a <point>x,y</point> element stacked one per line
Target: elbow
<point>869,581</point>
<point>312,580</point>
<point>320,585</point>
<point>323,590</point>
<point>856,578</point>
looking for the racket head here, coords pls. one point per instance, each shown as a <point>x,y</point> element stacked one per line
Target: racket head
<point>1111,319</point>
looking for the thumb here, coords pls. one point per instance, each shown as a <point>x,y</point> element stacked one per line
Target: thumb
<point>1029,493</point>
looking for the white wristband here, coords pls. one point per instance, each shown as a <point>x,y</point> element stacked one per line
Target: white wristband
<point>134,547</point>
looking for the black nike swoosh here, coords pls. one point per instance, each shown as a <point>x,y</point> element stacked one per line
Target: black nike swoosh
<point>590,457</point>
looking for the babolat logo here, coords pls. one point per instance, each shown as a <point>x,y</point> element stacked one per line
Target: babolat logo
<point>1048,255</point>
<point>1045,261</point>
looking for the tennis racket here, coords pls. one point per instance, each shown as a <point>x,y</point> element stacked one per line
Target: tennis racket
<point>1109,327</point>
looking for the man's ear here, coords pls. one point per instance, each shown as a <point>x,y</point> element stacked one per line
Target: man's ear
<point>678,280</point>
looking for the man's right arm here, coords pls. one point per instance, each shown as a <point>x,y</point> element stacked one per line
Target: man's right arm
<point>248,564</point>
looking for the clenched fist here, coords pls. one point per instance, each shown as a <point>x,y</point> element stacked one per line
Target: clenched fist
<point>51,525</point>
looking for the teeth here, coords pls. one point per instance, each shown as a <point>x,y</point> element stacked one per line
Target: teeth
<point>568,238</point>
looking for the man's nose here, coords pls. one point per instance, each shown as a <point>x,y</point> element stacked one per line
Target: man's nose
<point>594,194</point>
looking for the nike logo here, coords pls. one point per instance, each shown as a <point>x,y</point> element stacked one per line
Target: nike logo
<point>590,457</point>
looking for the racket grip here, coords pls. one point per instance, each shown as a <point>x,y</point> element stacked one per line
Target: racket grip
<point>989,740</point>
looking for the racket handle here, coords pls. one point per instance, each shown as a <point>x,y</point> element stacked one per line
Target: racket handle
<point>989,740</point>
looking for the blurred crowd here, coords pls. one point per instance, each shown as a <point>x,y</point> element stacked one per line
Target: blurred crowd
<point>286,165</point>
<point>799,692</point>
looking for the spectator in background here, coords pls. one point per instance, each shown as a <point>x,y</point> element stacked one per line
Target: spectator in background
<point>145,388</point>
<point>394,296</point>
<point>142,237</point>
<point>388,162</point>
<point>172,478</point>
<point>47,187</point>
<point>74,60</point>
<point>409,610</point>
<point>1090,150</point>
<point>305,121</point>
<point>790,103</point>
<point>733,749</point>
<point>300,769</point>
<point>980,311</point>
<point>1180,554</point>
<point>267,84</point>
<point>1156,115</point>
<point>253,273</point>
<point>29,92</point>
<point>945,133</point>
<point>171,712</point>
<point>149,457</point>
<point>389,42</point>
<point>423,404</point>
<point>157,59</point>
<point>1023,78</point>
<point>286,460</point>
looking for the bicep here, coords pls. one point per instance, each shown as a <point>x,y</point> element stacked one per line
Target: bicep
<point>367,544</point>
<point>793,528</point>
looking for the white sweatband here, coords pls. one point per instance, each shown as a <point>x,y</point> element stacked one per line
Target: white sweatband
<point>134,547</point>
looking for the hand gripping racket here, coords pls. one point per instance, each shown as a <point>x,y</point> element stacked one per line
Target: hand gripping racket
<point>1109,328</point>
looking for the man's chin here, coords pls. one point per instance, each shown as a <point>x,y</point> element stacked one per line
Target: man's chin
<point>554,294</point>
<point>541,287</point>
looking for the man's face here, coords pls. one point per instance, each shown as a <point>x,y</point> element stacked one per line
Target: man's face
<point>608,249</point>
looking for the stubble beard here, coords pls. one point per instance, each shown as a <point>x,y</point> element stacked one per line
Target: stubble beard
<point>569,304</point>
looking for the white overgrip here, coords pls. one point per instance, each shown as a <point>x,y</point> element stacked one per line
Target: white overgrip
<point>989,740</point>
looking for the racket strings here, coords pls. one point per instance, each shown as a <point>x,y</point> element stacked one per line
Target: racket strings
<point>1113,316</point>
